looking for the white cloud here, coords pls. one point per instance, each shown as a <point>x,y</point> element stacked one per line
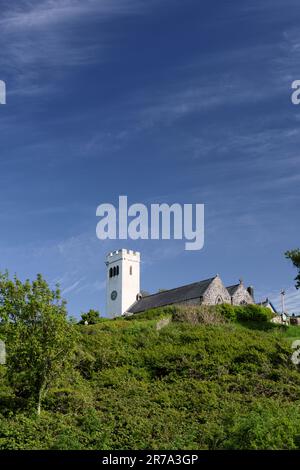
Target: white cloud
<point>39,37</point>
<point>49,13</point>
<point>292,299</point>
<point>72,287</point>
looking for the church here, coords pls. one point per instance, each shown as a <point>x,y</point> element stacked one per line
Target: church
<point>123,295</point>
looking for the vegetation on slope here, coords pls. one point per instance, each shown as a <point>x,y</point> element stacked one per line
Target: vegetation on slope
<point>213,378</point>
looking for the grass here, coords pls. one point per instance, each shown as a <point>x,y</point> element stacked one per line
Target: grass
<point>201,382</point>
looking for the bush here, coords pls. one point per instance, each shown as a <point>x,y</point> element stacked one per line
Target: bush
<point>227,311</point>
<point>208,314</point>
<point>254,313</point>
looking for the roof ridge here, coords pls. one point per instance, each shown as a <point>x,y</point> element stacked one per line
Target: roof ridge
<point>179,287</point>
<point>233,285</point>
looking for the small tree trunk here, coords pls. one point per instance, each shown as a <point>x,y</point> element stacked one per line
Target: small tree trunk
<point>39,408</point>
<point>40,398</point>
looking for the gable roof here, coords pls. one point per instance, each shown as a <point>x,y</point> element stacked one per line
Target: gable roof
<point>172,296</point>
<point>232,289</point>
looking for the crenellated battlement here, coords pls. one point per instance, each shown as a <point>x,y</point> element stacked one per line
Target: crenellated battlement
<point>123,253</point>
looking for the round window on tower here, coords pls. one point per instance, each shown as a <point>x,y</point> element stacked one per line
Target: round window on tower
<point>114,295</point>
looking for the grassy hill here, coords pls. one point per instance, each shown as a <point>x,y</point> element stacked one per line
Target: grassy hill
<point>201,381</point>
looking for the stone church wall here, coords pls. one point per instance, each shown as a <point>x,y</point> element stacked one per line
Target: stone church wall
<point>216,293</point>
<point>242,296</point>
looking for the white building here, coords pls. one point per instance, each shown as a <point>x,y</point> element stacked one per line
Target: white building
<point>123,281</point>
<point>123,289</point>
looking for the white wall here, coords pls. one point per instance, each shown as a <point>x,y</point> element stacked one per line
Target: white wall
<point>125,284</point>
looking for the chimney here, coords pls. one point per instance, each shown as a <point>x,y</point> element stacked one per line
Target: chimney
<point>250,290</point>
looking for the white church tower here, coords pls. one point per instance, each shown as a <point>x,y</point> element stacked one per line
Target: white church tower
<point>123,281</point>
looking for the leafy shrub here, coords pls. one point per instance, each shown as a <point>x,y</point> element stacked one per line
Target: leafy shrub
<point>254,313</point>
<point>227,311</point>
<point>153,314</point>
<point>208,314</point>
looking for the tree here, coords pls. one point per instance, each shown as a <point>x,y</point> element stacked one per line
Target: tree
<point>294,256</point>
<point>40,340</point>
<point>91,317</point>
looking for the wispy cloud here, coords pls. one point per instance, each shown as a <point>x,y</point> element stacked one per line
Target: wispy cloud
<point>187,97</point>
<point>38,36</point>
<point>292,299</point>
<point>72,287</point>
<point>45,13</point>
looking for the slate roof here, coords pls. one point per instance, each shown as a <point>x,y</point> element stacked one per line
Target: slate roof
<point>172,296</point>
<point>232,289</point>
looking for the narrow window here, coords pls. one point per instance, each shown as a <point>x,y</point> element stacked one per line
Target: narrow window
<point>110,272</point>
<point>130,270</point>
<point>117,270</point>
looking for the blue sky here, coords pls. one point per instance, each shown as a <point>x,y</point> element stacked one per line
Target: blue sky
<point>163,101</point>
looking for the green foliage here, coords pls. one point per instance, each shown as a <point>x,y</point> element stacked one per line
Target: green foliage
<point>253,313</point>
<point>294,256</point>
<point>245,313</point>
<point>211,379</point>
<point>206,314</point>
<point>92,317</point>
<point>40,340</point>
<point>227,311</point>
<point>154,314</point>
